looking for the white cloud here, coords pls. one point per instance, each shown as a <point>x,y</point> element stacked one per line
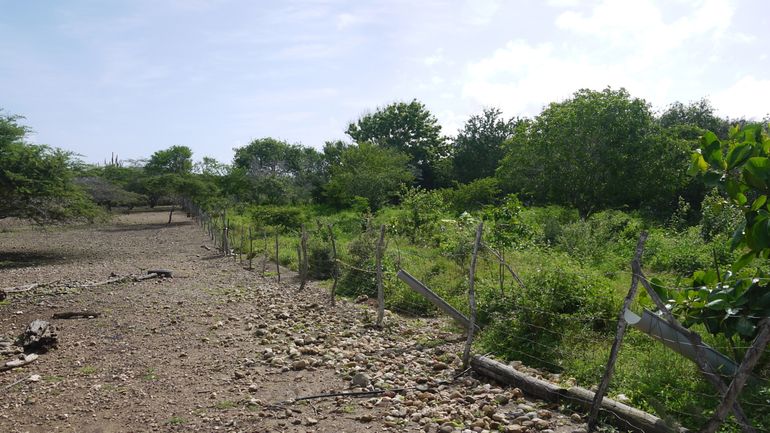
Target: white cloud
<point>747,97</point>
<point>434,58</point>
<point>346,20</point>
<point>482,11</point>
<point>616,43</point>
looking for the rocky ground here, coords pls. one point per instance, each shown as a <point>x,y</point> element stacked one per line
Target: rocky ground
<point>220,348</point>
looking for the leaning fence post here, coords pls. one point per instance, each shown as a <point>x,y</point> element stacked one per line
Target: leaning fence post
<point>751,358</point>
<point>251,249</point>
<point>335,268</point>
<point>303,262</point>
<point>277,260</point>
<point>380,289</point>
<point>266,252</point>
<point>472,298</point>
<point>700,358</point>
<point>621,330</point>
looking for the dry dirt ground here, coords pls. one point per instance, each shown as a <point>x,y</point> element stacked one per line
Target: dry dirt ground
<point>220,348</point>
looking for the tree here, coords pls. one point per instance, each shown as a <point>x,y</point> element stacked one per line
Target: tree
<point>372,172</point>
<point>698,116</point>
<point>478,147</point>
<point>36,180</point>
<point>408,128</point>
<point>733,303</point>
<point>596,150</point>
<point>276,172</point>
<point>175,159</point>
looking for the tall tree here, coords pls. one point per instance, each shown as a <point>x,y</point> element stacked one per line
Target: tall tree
<point>408,128</point>
<point>368,171</point>
<point>175,159</point>
<point>598,149</point>
<point>36,181</point>
<point>699,114</point>
<point>478,147</point>
<point>275,172</point>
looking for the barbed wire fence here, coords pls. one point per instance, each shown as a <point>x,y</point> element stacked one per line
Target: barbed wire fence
<point>389,260</point>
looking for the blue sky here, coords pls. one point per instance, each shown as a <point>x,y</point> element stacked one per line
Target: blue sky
<point>133,77</point>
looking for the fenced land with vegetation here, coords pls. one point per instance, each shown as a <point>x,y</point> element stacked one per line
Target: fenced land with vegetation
<point>560,316</point>
<point>564,197</point>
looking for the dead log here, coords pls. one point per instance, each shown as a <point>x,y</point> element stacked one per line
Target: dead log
<point>29,358</point>
<point>38,337</point>
<point>76,315</point>
<point>623,415</point>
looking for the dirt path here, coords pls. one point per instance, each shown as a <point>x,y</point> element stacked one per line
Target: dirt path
<point>218,348</point>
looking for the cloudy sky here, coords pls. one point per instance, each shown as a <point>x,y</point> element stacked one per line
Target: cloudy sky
<point>136,76</point>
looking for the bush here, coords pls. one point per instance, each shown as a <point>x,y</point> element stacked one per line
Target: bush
<point>686,252</point>
<point>560,299</point>
<point>474,195</point>
<point>278,216</point>
<point>718,216</point>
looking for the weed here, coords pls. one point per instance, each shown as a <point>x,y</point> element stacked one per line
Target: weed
<point>87,370</point>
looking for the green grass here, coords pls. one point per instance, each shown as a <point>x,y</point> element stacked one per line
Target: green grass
<point>87,370</point>
<point>225,404</point>
<point>175,420</point>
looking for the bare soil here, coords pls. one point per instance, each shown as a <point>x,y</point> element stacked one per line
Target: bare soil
<point>218,347</point>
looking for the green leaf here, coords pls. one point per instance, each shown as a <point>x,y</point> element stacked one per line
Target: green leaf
<point>759,202</point>
<point>743,261</point>
<point>697,164</point>
<point>756,171</point>
<point>737,237</point>
<point>737,155</point>
<point>744,327</point>
<point>717,304</point>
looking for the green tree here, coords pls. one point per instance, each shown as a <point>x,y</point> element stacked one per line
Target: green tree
<point>372,172</point>
<point>410,129</point>
<point>698,116</point>
<point>596,150</point>
<point>175,159</point>
<point>270,171</point>
<point>733,303</point>
<point>36,181</point>
<point>478,147</point>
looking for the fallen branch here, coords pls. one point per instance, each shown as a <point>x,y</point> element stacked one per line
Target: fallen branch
<point>76,315</point>
<point>19,289</point>
<point>28,359</point>
<point>350,394</point>
<point>7,387</point>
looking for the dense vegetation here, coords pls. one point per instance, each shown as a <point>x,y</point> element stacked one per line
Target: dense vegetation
<point>564,196</point>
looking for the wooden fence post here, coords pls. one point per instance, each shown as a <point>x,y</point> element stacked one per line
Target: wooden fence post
<point>303,264</point>
<point>708,372</point>
<point>621,330</point>
<point>266,252</point>
<point>251,249</point>
<point>335,268</point>
<point>472,298</point>
<point>225,242</point>
<point>380,289</point>
<point>277,258</point>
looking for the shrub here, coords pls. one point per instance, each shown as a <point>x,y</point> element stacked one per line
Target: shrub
<point>283,216</point>
<point>474,195</point>
<point>560,299</point>
<point>718,216</point>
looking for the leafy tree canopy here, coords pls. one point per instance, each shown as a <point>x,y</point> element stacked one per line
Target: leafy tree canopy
<point>175,159</point>
<point>36,180</point>
<point>372,172</point>
<point>478,147</point>
<point>598,149</point>
<point>408,128</point>
<point>698,114</point>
